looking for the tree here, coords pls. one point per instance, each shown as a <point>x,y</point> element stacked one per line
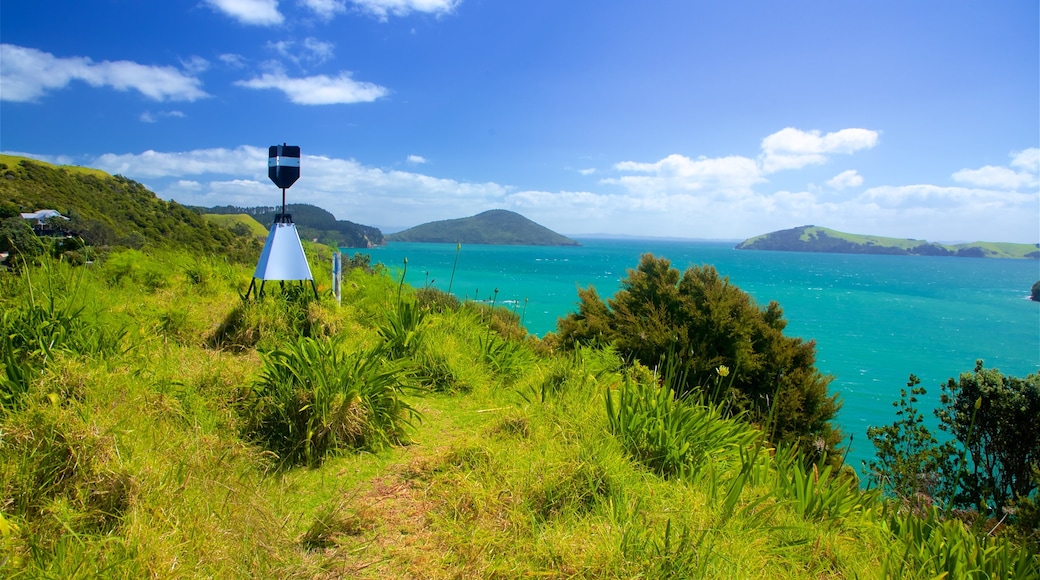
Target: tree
<point>8,210</point>
<point>911,464</point>
<point>17,238</point>
<point>995,418</point>
<point>992,461</point>
<point>706,322</point>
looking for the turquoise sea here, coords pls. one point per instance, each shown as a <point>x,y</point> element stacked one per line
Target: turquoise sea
<point>875,319</point>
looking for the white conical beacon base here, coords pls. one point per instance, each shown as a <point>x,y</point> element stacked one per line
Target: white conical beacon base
<point>283,257</point>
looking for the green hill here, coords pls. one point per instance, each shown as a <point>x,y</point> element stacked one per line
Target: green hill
<point>313,223</point>
<point>113,211</point>
<point>817,239</point>
<point>238,220</point>
<point>494,227</point>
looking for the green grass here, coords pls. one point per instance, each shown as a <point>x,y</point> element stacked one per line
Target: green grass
<point>12,161</point>
<point>905,244</point>
<point>231,220</point>
<point>147,441</point>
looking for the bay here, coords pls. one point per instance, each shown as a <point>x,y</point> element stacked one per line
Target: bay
<point>875,319</point>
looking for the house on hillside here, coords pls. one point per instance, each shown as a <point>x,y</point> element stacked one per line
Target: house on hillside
<point>39,221</point>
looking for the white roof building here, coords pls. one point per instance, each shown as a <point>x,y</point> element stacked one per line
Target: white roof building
<point>43,214</point>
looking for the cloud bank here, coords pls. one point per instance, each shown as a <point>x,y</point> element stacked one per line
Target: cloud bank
<point>29,74</point>
<point>722,197</point>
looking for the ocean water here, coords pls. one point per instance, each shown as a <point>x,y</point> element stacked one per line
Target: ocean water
<point>875,319</point>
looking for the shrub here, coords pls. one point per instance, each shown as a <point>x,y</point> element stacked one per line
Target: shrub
<point>312,399</point>
<point>910,465</point>
<point>18,238</point>
<point>991,467</point>
<point>436,300</point>
<point>710,323</point>
<point>994,417</point>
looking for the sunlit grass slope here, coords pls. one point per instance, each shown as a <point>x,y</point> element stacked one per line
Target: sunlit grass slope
<point>148,430</point>
<point>231,220</point>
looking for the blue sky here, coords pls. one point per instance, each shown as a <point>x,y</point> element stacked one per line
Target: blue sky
<point>658,118</point>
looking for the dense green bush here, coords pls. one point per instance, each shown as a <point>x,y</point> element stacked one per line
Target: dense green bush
<point>994,417</point>
<point>18,239</point>
<point>707,323</point>
<point>313,399</point>
<point>990,468</point>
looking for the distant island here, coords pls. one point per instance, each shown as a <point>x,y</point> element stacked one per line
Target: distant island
<point>494,227</point>
<point>824,240</point>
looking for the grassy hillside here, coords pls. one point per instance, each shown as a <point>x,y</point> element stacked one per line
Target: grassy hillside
<point>149,430</point>
<point>491,227</point>
<point>231,220</point>
<point>313,223</point>
<point>114,211</point>
<point>817,239</point>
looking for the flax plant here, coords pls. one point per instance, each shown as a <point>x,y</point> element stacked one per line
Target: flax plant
<point>313,399</point>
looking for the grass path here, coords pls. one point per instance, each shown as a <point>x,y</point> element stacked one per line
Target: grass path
<point>384,524</point>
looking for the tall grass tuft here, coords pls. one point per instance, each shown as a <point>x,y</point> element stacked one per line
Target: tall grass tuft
<point>403,329</point>
<point>58,480</point>
<point>313,399</point>
<point>47,320</point>
<point>818,494</point>
<point>672,436</point>
<point>934,547</point>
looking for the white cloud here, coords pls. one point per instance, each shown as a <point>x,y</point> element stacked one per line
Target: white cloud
<point>233,60</point>
<point>325,9</point>
<point>729,175</point>
<point>149,117</point>
<point>345,187</point>
<point>993,176</point>
<point>28,74</point>
<point>848,178</point>
<point>311,51</point>
<point>734,176</point>
<point>382,8</point>
<point>792,148</point>
<point>416,159</point>
<point>252,12</point>
<point>926,195</point>
<point>320,89</point>
<point>1028,161</point>
<point>195,65</point>
<point>243,160</point>
<point>588,171</point>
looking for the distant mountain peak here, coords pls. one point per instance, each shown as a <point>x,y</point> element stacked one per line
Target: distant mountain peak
<point>492,227</point>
